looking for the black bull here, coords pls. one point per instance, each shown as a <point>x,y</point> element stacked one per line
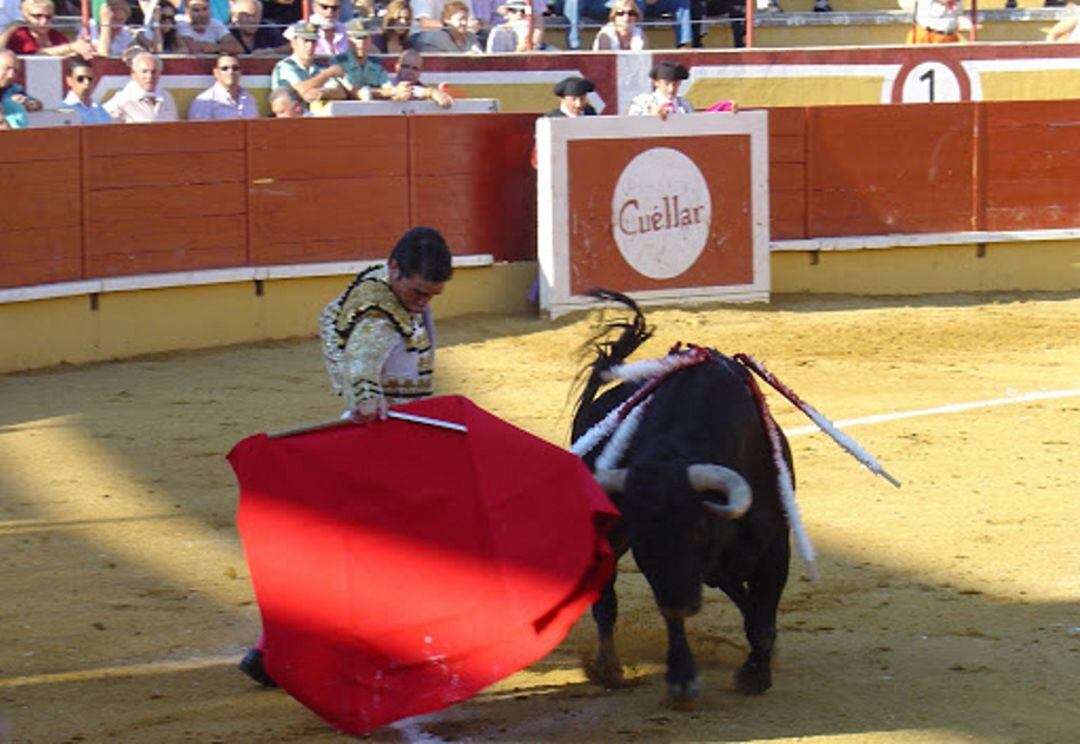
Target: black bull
<point>706,413</point>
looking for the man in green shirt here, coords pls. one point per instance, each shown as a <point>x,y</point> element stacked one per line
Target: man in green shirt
<point>365,78</point>
<point>313,81</point>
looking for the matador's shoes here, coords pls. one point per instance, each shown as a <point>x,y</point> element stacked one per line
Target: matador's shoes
<point>252,666</point>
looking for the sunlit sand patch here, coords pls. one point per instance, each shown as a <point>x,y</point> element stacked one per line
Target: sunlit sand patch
<point>109,506</point>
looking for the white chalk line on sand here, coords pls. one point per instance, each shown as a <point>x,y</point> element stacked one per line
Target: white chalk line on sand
<point>951,408</point>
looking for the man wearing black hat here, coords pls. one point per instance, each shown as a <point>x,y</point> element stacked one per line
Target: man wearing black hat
<point>664,99</point>
<point>572,92</point>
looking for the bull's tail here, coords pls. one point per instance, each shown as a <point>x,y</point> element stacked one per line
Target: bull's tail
<point>612,343</point>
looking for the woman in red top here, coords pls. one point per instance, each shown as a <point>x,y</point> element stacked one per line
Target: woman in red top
<point>37,36</point>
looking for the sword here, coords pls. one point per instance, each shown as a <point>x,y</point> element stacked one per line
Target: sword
<point>400,415</point>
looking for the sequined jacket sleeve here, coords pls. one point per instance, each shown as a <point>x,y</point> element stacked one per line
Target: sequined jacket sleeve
<point>365,353</point>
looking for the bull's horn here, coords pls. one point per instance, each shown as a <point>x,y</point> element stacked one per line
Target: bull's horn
<point>727,481</point>
<point>612,481</point>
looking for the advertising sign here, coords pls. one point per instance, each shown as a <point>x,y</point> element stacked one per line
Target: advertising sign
<point>666,211</point>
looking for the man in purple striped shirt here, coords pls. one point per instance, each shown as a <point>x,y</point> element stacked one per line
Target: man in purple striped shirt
<point>225,99</point>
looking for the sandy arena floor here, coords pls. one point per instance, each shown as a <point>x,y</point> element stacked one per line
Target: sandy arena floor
<point>949,610</point>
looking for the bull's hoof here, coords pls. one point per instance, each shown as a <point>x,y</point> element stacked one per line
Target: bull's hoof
<point>753,679</point>
<point>682,694</point>
<point>607,675</point>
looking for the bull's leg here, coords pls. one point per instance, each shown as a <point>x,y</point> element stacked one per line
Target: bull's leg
<point>682,676</point>
<point>759,620</point>
<point>606,669</point>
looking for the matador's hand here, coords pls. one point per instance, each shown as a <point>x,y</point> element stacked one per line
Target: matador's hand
<point>368,409</point>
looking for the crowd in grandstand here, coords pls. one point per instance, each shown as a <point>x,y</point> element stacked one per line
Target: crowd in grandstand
<point>328,56</point>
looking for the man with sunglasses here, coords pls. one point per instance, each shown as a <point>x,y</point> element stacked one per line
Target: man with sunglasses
<point>325,17</point>
<point>80,83</point>
<point>225,99</point>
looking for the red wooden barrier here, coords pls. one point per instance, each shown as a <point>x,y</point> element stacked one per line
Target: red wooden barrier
<point>1030,154</point>
<point>787,173</point>
<point>40,207</point>
<point>168,197</point>
<point>109,201</point>
<point>327,189</point>
<point>472,179</point>
<point>890,169</point>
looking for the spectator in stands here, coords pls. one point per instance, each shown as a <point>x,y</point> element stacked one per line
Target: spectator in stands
<point>281,14</point>
<point>142,100</point>
<point>332,38</point>
<point>80,82</point>
<point>365,78</point>
<point>621,32</point>
<point>454,37</point>
<point>14,102</point>
<point>493,15</point>
<point>396,34</point>
<point>664,99</point>
<point>35,34</point>
<point>1067,28</point>
<point>573,98</point>
<point>109,33</point>
<point>202,32</point>
<point>160,28</point>
<point>773,6</point>
<point>249,35</point>
<point>511,32</point>
<point>409,66</point>
<point>285,103</point>
<point>225,99</point>
<point>9,14</point>
<point>598,9</point>
<point>430,14</point>
<point>313,81</point>
<point>938,22</point>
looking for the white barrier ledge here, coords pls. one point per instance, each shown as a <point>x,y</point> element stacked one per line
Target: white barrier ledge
<point>914,240</point>
<point>209,276</point>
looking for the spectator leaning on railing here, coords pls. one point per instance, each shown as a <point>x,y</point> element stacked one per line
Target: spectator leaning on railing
<point>14,102</point>
<point>203,33</point>
<point>312,80</point>
<point>409,66</point>
<point>34,34</point>
<point>454,37</point>
<point>79,77</point>
<point>365,79</point>
<point>142,100</point>
<point>505,20</point>
<point>395,35</point>
<point>110,34</point>
<point>249,35</point>
<point>162,30</point>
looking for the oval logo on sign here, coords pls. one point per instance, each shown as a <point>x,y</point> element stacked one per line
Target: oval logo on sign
<point>660,213</point>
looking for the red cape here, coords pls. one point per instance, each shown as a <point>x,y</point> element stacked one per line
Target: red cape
<point>400,568</point>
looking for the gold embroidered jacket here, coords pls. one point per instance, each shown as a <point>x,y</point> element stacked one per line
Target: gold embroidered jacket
<point>373,346</point>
